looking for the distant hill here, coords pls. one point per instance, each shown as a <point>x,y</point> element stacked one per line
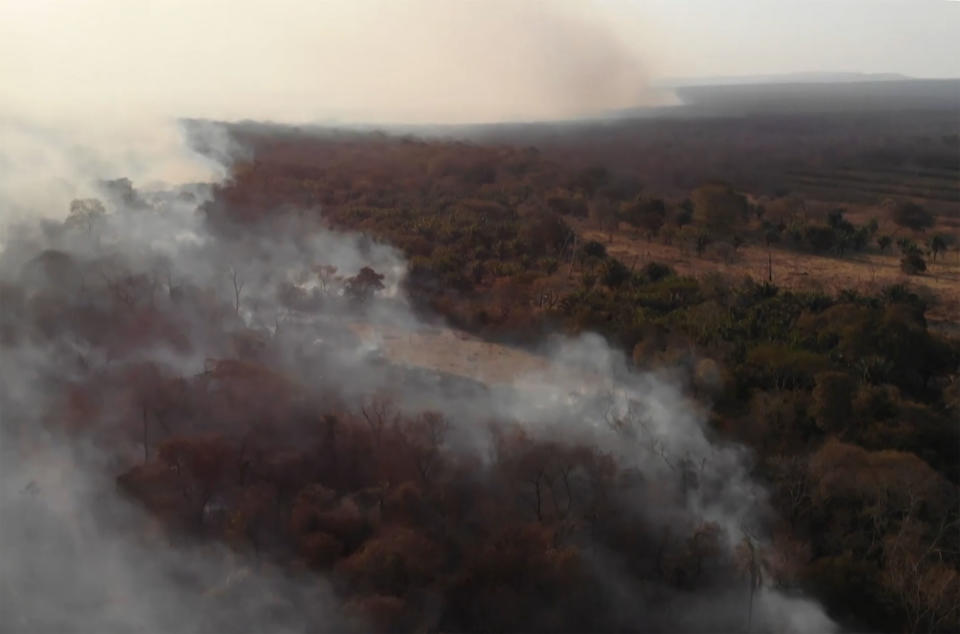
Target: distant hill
<point>784,78</point>
<point>809,97</point>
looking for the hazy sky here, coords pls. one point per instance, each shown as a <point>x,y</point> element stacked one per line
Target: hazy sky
<point>92,89</point>
<point>435,59</point>
<point>734,37</point>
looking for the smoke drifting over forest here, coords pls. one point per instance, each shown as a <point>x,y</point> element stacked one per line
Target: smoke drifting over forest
<point>84,111</point>
<point>145,286</point>
<point>204,425</point>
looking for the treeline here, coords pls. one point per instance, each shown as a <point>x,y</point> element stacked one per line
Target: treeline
<point>761,152</point>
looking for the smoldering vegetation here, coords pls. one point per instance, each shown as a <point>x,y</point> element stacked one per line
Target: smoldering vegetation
<point>79,558</point>
<point>194,439</point>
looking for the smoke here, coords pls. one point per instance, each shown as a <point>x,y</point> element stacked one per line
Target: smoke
<point>94,90</point>
<point>99,102</point>
<point>78,558</point>
<point>424,61</point>
<point>154,247</point>
<point>46,163</point>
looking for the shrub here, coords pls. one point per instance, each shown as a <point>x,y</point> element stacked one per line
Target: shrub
<point>820,238</point>
<point>615,273</point>
<point>594,249</point>
<point>654,271</point>
<point>913,216</point>
<point>913,264</point>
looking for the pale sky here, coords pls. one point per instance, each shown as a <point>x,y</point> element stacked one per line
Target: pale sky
<point>434,60</point>
<point>734,37</point>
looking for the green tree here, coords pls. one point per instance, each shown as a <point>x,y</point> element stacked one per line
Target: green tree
<point>907,246</point>
<point>88,214</point>
<point>645,214</point>
<point>614,273</point>
<point>938,244</point>
<point>832,402</point>
<point>364,284</point>
<point>821,238</point>
<point>719,208</point>
<point>701,242</point>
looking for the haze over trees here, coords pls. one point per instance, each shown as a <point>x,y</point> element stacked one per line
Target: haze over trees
<point>694,452</point>
<point>505,330</point>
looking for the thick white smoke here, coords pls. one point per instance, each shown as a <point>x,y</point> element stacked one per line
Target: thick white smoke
<point>99,100</point>
<point>425,61</point>
<point>70,523</point>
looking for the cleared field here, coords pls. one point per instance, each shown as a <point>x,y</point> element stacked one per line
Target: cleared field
<point>451,351</point>
<point>795,270</point>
